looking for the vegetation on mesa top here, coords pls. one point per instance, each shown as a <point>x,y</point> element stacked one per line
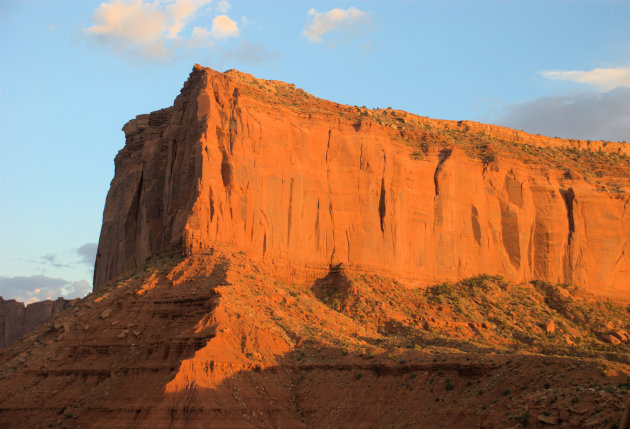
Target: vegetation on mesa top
<point>610,171</point>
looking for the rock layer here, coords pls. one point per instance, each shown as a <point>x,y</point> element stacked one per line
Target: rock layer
<point>17,320</point>
<point>318,187</point>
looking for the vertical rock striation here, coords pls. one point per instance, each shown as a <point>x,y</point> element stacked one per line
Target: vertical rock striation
<point>17,320</point>
<point>237,161</point>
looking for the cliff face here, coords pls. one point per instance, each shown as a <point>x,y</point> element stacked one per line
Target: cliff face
<point>17,320</point>
<point>291,179</point>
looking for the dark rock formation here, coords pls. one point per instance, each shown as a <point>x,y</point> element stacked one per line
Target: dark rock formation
<point>17,320</point>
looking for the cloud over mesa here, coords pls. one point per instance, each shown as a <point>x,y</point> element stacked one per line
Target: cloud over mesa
<point>594,116</point>
<point>602,78</point>
<point>222,28</point>
<point>154,30</point>
<point>348,20</point>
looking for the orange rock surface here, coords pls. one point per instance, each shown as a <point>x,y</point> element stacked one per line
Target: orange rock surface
<point>296,181</point>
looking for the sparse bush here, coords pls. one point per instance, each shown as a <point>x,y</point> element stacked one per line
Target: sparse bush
<point>523,419</point>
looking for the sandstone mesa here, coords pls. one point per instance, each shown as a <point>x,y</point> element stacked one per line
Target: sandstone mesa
<point>291,179</point>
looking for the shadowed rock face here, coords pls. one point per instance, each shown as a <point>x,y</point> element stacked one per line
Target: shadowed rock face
<point>317,186</point>
<point>17,320</point>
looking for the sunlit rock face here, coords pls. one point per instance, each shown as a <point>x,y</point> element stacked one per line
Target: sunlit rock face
<point>298,181</point>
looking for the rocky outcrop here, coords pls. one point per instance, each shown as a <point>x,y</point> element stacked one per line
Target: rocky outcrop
<point>295,180</point>
<point>17,320</point>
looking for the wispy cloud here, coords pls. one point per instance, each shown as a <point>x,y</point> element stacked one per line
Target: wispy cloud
<point>250,53</point>
<point>602,78</point>
<point>154,30</point>
<point>52,260</point>
<point>38,288</point>
<point>223,6</point>
<point>351,21</point>
<point>595,116</point>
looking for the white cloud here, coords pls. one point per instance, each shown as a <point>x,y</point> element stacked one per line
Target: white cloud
<point>155,29</point>
<point>594,116</point>
<point>348,20</point>
<point>181,12</point>
<point>134,22</point>
<point>222,28</point>
<point>603,79</point>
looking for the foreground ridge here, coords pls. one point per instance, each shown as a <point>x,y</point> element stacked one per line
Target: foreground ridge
<point>217,340</point>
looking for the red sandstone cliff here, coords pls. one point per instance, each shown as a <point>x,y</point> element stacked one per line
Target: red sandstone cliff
<point>292,179</point>
<point>17,320</point>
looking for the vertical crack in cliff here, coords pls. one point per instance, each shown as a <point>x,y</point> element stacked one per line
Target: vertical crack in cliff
<point>131,224</point>
<point>211,206</point>
<point>233,124</point>
<point>381,205</point>
<point>530,249</point>
<point>170,165</point>
<point>264,244</point>
<point>290,212</point>
<point>330,203</point>
<point>348,245</point>
<point>317,233</point>
<point>226,170</point>
<point>568,196</point>
<point>442,157</point>
<point>474,219</point>
<point>510,235</point>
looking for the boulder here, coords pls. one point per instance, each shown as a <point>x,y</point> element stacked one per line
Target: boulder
<point>550,327</point>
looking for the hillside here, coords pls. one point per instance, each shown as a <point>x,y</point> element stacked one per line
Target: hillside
<point>215,340</point>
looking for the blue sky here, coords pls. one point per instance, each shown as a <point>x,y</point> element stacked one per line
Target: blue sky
<point>73,72</point>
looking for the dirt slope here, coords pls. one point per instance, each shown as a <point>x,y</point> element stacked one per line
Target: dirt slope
<point>218,340</point>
